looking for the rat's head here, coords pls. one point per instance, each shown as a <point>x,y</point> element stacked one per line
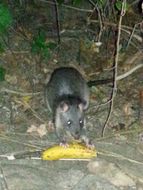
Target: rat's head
<point>70,117</point>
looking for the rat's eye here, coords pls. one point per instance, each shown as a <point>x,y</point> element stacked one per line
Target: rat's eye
<point>81,122</point>
<point>69,123</point>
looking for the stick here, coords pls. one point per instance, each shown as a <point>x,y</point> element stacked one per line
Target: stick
<point>115,66</point>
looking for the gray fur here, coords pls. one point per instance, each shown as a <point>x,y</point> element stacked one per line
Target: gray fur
<point>67,97</point>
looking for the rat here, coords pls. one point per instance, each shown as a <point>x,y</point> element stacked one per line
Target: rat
<point>67,97</point>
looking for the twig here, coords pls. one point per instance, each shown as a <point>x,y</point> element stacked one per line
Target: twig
<point>121,157</point>
<point>109,80</point>
<point>132,34</point>
<point>76,159</point>
<point>4,137</point>
<point>34,113</point>
<point>4,182</point>
<point>124,29</point>
<point>101,25</point>
<point>57,20</point>
<point>134,2</point>
<point>99,18</point>
<point>69,7</point>
<point>25,104</point>
<point>131,131</point>
<point>32,110</point>
<point>19,93</point>
<point>115,66</point>
<point>120,77</point>
<point>102,104</point>
<point>11,118</point>
<point>114,25</point>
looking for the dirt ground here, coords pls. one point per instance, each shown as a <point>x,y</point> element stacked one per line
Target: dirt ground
<point>25,119</point>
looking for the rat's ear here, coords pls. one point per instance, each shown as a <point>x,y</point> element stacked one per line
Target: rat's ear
<point>63,106</point>
<point>82,106</point>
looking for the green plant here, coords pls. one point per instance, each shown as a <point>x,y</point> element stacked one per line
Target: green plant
<point>1,47</point>
<point>5,18</point>
<point>2,74</point>
<point>101,3</point>
<point>118,5</point>
<point>76,2</point>
<point>40,46</point>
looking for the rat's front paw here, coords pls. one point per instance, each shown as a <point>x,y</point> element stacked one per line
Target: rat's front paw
<point>87,142</point>
<point>90,145</point>
<point>64,144</point>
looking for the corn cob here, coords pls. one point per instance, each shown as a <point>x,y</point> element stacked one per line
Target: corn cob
<point>73,151</point>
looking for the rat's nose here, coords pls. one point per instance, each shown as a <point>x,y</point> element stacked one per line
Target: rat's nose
<point>77,135</point>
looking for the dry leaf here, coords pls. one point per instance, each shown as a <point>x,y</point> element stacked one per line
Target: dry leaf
<point>127,109</point>
<point>51,127</point>
<point>31,129</point>
<point>40,131</point>
<point>11,79</point>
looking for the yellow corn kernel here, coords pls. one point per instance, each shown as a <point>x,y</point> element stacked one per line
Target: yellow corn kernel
<point>73,151</point>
